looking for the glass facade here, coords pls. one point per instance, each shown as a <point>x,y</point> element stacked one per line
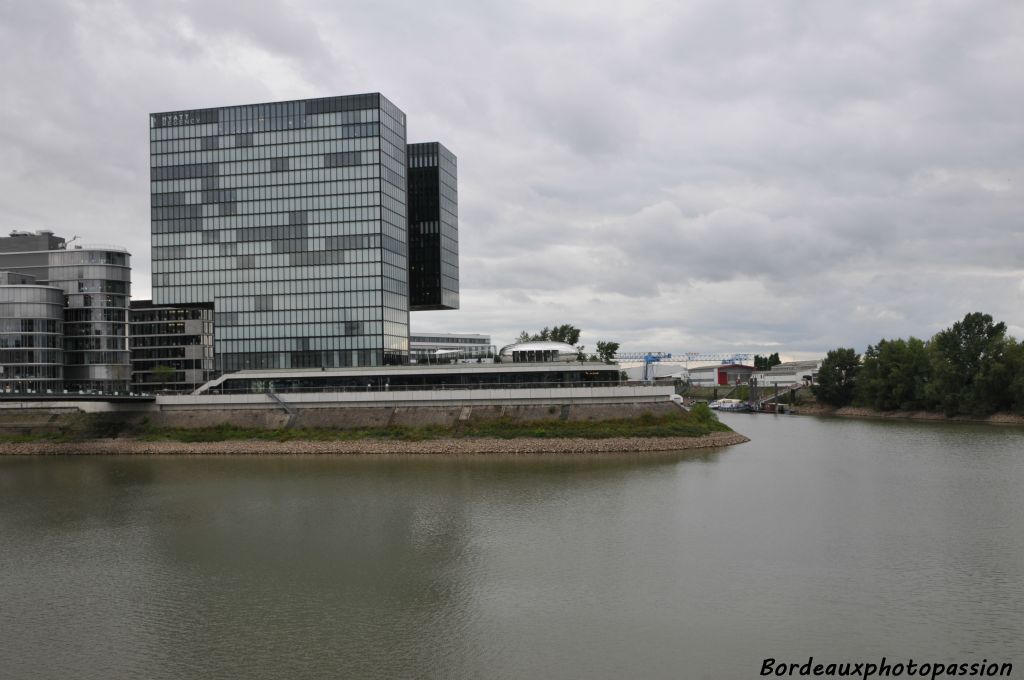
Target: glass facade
<point>31,336</point>
<point>289,218</point>
<point>400,378</point>
<point>96,285</point>
<point>171,347</point>
<point>450,347</point>
<point>433,227</point>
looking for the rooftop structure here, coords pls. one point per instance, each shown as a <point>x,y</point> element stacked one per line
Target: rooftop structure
<point>450,347</point>
<point>538,351</point>
<point>420,377</point>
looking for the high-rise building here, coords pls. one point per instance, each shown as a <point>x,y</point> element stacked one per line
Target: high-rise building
<point>433,228</point>
<point>291,218</point>
<point>96,285</point>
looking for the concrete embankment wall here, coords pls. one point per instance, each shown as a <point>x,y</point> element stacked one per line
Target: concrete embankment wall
<point>620,394</point>
<point>74,423</point>
<point>407,416</point>
<point>67,421</point>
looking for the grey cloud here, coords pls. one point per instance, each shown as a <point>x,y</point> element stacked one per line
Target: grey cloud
<point>700,175</point>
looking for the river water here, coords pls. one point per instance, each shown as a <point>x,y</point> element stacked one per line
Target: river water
<point>846,540</point>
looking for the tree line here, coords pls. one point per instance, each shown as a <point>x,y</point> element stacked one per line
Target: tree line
<point>570,335</point>
<point>972,368</point>
<point>765,363</point>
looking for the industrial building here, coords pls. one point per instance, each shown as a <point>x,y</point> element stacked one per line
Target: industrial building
<point>720,374</point>
<point>789,373</point>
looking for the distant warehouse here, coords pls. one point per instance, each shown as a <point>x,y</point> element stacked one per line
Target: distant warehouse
<point>721,374</point>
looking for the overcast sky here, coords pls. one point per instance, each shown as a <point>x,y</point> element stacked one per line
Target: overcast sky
<point>713,176</point>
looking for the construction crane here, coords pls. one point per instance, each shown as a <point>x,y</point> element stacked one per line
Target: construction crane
<point>725,358</point>
<point>684,358</point>
<point>647,357</point>
<point>642,356</point>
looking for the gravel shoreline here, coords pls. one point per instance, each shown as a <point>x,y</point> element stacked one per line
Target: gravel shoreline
<point>124,446</point>
<point>860,412</point>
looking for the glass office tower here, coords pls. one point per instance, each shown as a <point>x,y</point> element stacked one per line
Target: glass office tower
<point>433,227</point>
<point>291,218</point>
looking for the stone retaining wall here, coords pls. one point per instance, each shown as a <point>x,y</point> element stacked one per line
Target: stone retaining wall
<point>409,416</point>
<point>565,446</point>
<point>43,421</point>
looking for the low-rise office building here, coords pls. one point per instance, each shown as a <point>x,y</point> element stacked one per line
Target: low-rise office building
<point>171,346</point>
<point>432,348</point>
<point>533,375</point>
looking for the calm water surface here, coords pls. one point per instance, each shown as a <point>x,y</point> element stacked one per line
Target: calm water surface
<point>842,539</point>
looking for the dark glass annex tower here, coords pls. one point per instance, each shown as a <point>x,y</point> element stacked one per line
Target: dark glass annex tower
<point>433,227</point>
<point>291,219</point>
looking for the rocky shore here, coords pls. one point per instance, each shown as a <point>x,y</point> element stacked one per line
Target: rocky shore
<point>859,412</point>
<point>127,446</point>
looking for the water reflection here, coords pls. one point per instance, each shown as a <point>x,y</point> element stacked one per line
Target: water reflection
<point>824,537</point>
<point>208,565</point>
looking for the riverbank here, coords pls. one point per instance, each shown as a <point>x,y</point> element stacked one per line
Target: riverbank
<point>460,446</point>
<point>860,412</point>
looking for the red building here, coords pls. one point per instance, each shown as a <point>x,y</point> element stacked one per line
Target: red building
<point>722,374</point>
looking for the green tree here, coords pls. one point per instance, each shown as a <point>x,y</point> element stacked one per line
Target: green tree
<point>1015,360</point>
<point>765,363</point>
<point>163,374</point>
<point>570,335</point>
<point>837,377</point>
<point>895,375</point>
<point>566,333</point>
<point>606,351</point>
<point>972,367</point>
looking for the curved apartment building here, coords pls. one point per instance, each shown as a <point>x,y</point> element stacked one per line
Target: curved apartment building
<point>94,283</point>
<point>97,285</point>
<point>31,335</point>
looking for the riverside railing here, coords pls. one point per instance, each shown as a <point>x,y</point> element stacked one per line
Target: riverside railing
<point>374,387</point>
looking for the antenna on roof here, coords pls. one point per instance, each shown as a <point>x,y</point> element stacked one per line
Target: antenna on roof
<point>67,243</point>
